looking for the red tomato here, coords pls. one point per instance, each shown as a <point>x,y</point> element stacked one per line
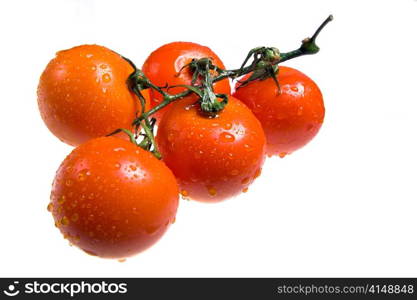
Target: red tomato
<point>82,94</point>
<point>291,118</point>
<point>113,199</point>
<point>212,158</point>
<point>164,65</point>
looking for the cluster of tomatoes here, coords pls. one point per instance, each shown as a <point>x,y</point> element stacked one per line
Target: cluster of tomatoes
<point>112,198</point>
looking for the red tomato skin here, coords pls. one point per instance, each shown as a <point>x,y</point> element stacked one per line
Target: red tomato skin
<point>163,67</point>
<point>213,159</point>
<point>113,199</point>
<point>291,118</point>
<point>82,94</point>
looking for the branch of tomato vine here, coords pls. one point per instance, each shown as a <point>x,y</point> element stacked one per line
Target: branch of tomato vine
<point>265,63</point>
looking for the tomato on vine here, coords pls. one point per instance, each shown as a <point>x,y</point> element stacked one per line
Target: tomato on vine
<point>212,158</point>
<point>107,198</point>
<point>82,94</point>
<point>291,114</point>
<point>114,198</point>
<point>167,65</point>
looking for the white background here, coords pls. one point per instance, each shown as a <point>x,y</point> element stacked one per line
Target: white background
<point>345,205</point>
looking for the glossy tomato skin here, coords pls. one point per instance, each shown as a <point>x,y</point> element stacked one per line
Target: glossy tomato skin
<point>291,118</point>
<point>163,67</point>
<point>212,158</point>
<point>82,94</point>
<point>113,199</point>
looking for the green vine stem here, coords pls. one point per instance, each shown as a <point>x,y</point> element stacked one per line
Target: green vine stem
<point>264,64</point>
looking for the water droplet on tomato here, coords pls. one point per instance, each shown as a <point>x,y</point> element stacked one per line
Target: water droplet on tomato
<point>184,193</point>
<point>75,217</point>
<point>245,180</point>
<point>106,77</point>
<point>245,190</point>
<point>121,260</point>
<point>103,66</point>
<point>64,221</point>
<point>89,55</point>
<point>257,173</point>
<point>227,137</point>
<point>62,199</point>
<point>198,154</point>
<point>68,182</point>
<point>74,203</point>
<point>212,191</point>
<point>82,175</point>
<point>50,207</point>
<point>133,167</point>
<point>171,136</point>
<point>234,172</point>
<point>282,154</point>
<point>300,111</point>
<point>228,126</point>
<point>119,149</point>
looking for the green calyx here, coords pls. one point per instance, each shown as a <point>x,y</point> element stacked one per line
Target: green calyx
<point>261,63</point>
